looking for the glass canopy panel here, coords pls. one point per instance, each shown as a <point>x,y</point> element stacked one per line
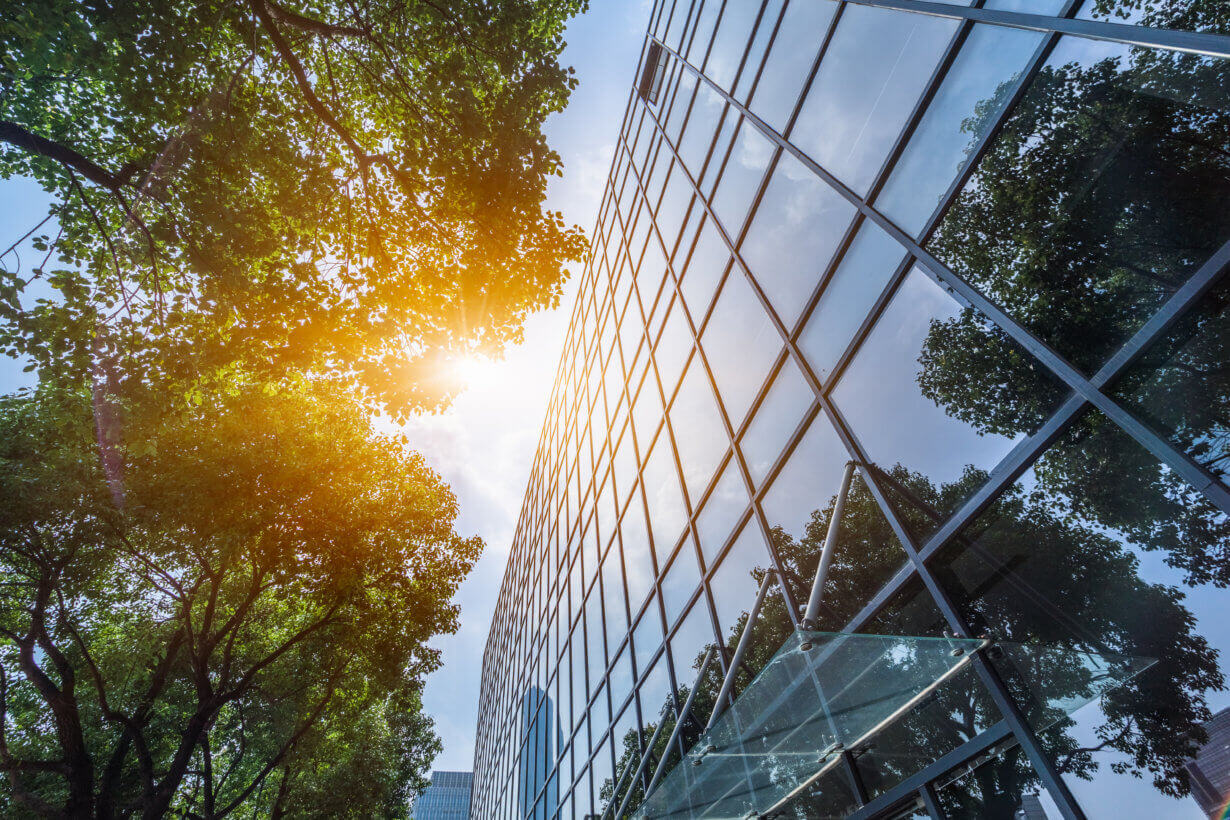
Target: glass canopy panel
<point>824,692</point>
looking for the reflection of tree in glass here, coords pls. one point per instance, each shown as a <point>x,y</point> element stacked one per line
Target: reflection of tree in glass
<point>1020,557</point>
<point>1011,574</point>
<point>1105,190</point>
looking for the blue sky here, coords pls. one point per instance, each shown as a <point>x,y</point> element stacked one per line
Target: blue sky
<point>484,445</point>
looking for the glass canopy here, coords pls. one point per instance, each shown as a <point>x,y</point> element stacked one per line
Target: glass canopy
<point>825,692</point>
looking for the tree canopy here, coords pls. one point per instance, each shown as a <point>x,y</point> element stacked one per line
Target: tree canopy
<point>245,633</point>
<point>352,190</point>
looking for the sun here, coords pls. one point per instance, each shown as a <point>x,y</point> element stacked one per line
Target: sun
<point>473,370</point>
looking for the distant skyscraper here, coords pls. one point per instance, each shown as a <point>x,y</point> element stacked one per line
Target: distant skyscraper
<point>956,268</point>
<point>1209,772</point>
<point>447,798</point>
<point>1031,808</point>
<point>539,791</point>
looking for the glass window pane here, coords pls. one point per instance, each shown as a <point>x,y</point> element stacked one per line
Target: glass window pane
<point>721,512</point>
<point>741,177</point>
<point>679,582</point>
<point>1107,187</point>
<point>734,584</point>
<point>699,132</point>
<point>877,64</point>
<point>620,678</point>
<point>734,30</point>
<point>740,344</point>
<point>972,93</point>
<point>705,267</point>
<point>756,51</point>
<point>673,348</point>
<point>1153,558</point>
<point>849,295</point>
<point>702,35</point>
<point>663,496</point>
<point>775,421</point>
<point>790,60</point>
<point>613,600</point>
<point>638,561</point>
<point>688,644</point>
<point>808,480</point>
<point>1182,385</point>
<point>674,207</point>
<point>792,236</point>
<point>647,413</point>
<point>647,637</point>
<point>906,395</point>
<point>1174,14</point>
<point>699,435</point>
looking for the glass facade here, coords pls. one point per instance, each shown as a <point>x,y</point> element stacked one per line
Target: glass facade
<point>447,798</point>
<point>979,250</point>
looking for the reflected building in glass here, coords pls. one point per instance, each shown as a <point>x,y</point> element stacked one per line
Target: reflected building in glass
<point>979,253</point>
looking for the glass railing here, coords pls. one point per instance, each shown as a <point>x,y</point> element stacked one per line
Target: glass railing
<point>825,692</point>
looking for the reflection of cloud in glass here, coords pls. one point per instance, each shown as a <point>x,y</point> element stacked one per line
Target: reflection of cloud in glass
<point>876,65</point>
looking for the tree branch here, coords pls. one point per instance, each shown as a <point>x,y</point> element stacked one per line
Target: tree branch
<point>311,25</point>
<point>14,134</point>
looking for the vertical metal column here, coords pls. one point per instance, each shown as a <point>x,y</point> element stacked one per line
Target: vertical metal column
<point>826,554</point>
<point>740,650</point>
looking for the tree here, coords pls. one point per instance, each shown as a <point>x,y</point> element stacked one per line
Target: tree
<point>231,618</point>
<point>347,189</point>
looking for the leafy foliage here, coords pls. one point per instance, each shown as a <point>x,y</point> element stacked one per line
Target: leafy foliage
<point>245,633</point>
<point>352,190</point>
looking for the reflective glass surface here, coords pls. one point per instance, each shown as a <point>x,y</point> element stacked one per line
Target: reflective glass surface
<point>792,236</point>
<point>1078,184</point>
<point>741,176</point>
<point>1182,386</point>
<point>820,693</point>
<point>1107,187</point>
<point>789,61</point>
<point>973,92</point>
<point>908,396</point>
<point>742,344</point>
<point>850,293</point>
<point>870,77</point>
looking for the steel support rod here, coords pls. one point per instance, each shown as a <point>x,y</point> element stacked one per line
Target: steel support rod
<point>740,650</point>
<point>826,553</point>
<point>640,770</point>
<point>683,718</point>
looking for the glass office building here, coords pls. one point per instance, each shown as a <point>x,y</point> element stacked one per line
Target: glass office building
<point>936,290</point>
<point>447,798</point>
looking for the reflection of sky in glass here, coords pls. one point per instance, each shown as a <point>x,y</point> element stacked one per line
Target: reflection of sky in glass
<point>881,401</point>
<point>741,177</point>
<point>795,230</point>
<point>876,66</point>
<point>787,66</point>
<point>682,578</point>
<point>734,588</point>
<point>721,511</point>
<point>775,421</point>
<point>864,272</point>
<point>1121,795</point>
<point>699,435</point>
<point>808,480</point>
<point>700,128</point>
<point>991,57</point>
<point>729,43</point>
<point>742,344</point>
